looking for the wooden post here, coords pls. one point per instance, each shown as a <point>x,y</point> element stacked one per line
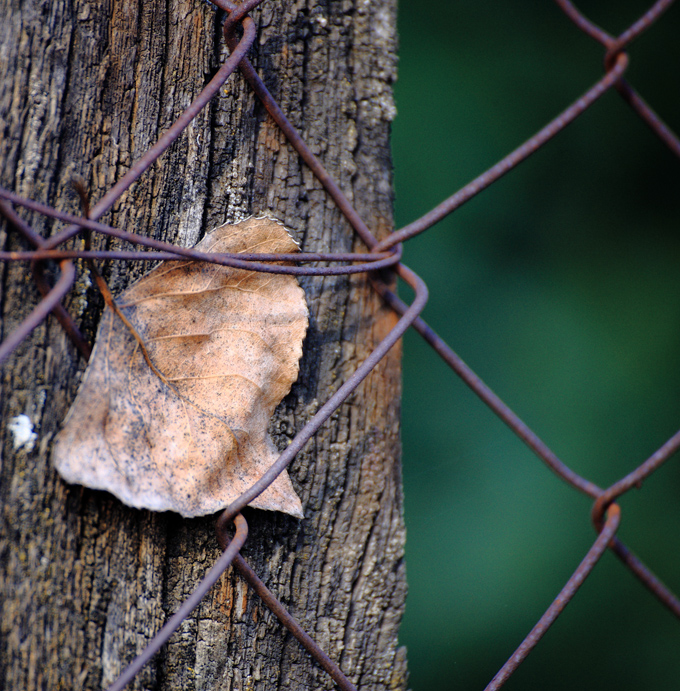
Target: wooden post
<point>85,582</point>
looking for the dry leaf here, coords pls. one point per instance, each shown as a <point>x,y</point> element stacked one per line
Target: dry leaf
<point>226,343</point>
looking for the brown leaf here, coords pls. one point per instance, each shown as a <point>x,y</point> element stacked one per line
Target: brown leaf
<point>226,345</point>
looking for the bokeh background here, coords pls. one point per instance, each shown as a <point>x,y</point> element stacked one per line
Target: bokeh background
<point>560,286</point>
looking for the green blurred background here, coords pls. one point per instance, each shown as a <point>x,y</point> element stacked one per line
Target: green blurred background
<point>560,286</point>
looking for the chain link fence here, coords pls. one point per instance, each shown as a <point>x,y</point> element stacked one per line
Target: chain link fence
<point>605,512</point>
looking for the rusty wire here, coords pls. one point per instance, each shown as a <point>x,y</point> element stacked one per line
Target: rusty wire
<point>605,513</point>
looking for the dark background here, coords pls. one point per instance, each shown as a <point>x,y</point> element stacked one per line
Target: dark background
<point>560,286</point>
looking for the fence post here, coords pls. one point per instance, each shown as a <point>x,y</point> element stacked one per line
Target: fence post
<point>85,580</point>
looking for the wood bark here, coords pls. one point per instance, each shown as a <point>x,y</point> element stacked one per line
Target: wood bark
<point>85,89</point>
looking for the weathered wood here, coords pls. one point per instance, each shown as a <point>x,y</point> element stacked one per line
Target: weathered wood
<point>86,581</point>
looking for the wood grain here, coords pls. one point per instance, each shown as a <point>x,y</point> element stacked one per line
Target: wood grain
<point>85,580</point>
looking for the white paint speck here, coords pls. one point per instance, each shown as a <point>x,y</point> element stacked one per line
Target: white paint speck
<point>22,429</point>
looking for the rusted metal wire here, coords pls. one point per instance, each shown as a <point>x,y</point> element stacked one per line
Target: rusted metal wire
<point>614,46</point>
<point>371,261</point>
<point>561,601</point>
<point>511,161</point>
<point>387,253</point>
<point>245,260</point>
<point>63,317</point>
<point>250,262</point>
<point>540,448</point>
<point>140,166</point>
<point>230,550</point>
<point>292,625</point>
<point>41,310</point>
<point>634,478</point>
